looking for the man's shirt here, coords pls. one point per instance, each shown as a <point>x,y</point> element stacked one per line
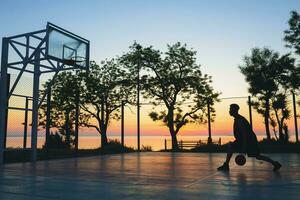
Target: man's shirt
<point>243,131</point>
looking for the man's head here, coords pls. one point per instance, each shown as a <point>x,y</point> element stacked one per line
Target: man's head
<point>234,109</point>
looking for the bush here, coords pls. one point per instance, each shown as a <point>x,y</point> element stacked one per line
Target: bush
<point>56,142</point>
<point>114,146</point>
<point>146,148</point>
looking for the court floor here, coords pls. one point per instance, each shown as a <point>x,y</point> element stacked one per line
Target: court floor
<point>150,176</point>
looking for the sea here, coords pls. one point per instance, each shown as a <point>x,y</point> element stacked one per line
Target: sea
<point>155,142</point>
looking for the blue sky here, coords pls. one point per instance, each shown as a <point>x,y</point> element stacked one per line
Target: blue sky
<point>221,31</point>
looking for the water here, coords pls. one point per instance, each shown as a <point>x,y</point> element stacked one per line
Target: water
<point>156,142</point>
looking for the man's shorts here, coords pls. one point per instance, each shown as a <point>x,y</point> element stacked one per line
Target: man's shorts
<point>252,149</point>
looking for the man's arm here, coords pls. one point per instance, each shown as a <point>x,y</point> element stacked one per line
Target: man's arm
<point>243,132</point>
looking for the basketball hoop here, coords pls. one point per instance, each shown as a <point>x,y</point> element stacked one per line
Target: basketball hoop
<point>66,47</point>
<point>74,61</point>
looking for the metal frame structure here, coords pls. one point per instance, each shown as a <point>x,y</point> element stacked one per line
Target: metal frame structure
<point>32,57</point>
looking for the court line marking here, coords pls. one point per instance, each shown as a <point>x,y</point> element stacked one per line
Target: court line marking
<point>201,179</point>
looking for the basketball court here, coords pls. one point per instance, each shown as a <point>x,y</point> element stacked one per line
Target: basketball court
<point>150,176</point>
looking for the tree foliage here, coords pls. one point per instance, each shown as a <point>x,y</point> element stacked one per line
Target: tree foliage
<point>292,35</point>
<point>64,92</point>
<point>104,89</point>
<point>175,80</point>
<point>270,77</point>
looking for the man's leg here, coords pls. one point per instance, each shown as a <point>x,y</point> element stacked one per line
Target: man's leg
<point>276,164</point>
<point>229,154</point>
<point>225,166</point>
<point>265,158</point>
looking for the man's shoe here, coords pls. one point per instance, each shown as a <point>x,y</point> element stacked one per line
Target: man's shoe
<point>224,167</point>
<point>277,166</point>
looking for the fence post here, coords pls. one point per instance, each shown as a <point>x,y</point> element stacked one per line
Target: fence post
<point>295,116</point>
<point>209,140</point>
<point>25,123</point>
<point>250,111</point>
<point>122,124</point>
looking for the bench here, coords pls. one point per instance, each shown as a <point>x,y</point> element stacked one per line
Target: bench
<point>188,144</point>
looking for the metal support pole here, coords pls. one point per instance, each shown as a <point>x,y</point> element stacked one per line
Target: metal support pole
<point>48,118</point>
<point>250,111</point>
<point>3,95</point>
<point>295,116</point>
<point>122,124</point>
<point>77,121</point>
<point>138,48</point>
<point>35,106</point>
<point>25,123</point>
<point>6,113</point>
<point>209,141</point>
<point>138,109</point>
<point>102,122</point>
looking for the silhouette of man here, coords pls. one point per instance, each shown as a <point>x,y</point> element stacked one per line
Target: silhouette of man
<point>245,141</point>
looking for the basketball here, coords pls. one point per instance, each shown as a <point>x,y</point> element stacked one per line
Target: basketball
<point>240,160</point>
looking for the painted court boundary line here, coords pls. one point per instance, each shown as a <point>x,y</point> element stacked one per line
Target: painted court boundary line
<point>200,180</point>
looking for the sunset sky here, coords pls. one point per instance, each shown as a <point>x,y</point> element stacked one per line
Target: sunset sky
<point>221,31</point>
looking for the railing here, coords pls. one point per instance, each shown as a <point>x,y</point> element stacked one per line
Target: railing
<point>189,144</point>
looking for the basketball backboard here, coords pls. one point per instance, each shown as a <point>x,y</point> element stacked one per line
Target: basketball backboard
<point>66,47</point>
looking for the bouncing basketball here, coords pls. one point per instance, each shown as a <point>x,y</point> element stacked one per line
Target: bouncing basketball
<point>240,160</point>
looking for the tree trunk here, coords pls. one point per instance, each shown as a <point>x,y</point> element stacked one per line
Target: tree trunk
<point>275,134</point>
<point>103,127</point>
<point>175,146</point>
<point>281,136</point>
<point>103,139</point>
<point>286,133</point>
<point>280,128</point>
<point>282,139</point>
<point>68,134</point>
<point>102,130</point>
<point>267,115</point>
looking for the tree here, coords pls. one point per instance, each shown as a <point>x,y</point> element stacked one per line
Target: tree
<point>268,75</point>
<point>103,90</point>
<point>286,82</point>
<point>174,81</point>
<point>64,90</point>
<point>282,113</point>
<point>292,35</point>
<point>292,38</point>
<point>259,71</point>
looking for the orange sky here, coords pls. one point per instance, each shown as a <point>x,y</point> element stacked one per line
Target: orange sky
<point>221,126</point>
